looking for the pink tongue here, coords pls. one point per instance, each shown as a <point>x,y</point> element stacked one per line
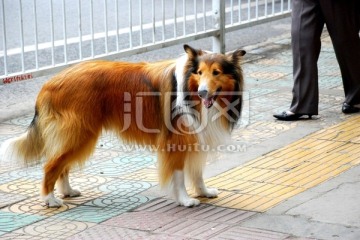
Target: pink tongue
<point>208,102</point>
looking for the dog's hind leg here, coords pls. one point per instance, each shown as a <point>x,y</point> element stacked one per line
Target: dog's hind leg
<point>52,170</point>
<point>63,186</point>
<point>58,169</point>
<point>194,168</point>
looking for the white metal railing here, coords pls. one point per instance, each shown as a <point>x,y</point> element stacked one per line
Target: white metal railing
<point>40,37</point>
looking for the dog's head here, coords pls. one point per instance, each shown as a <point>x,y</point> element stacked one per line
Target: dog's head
<point>210,74</point>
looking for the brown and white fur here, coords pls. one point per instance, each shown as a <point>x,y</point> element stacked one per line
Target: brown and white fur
<point>75,106</point>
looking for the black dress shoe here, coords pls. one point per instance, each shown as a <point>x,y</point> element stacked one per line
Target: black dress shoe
<point>284,116</point>
<point>347,108</point>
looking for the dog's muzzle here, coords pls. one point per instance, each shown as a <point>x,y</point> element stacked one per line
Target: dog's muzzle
<point>208,99</point>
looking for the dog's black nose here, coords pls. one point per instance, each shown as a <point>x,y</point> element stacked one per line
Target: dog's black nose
<point>203,93</point>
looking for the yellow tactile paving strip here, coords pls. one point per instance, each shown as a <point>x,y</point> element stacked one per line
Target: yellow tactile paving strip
<point>270,179</point>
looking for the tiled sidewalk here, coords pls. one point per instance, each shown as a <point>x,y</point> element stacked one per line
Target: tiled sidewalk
<point>120,199</point>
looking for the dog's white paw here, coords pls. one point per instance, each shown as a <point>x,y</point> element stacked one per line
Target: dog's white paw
<point>208,192</point>
<point>71,193</point>
<point>189,202</point>
<point>52,202</point>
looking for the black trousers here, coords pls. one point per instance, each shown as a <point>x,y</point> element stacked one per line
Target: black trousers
<point>342,19</point>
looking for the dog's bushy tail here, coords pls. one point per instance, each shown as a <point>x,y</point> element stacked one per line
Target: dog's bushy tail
<point>27,148</point>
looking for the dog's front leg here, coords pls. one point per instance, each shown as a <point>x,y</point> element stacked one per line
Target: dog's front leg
<point>195,171</point>
<point>179,189</point>
<point>201,189</point>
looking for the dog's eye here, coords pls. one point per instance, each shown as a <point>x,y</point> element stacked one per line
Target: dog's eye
<point>199,72</point>
<point>216,72</point>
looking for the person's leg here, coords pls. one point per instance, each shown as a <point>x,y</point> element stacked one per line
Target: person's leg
<point>306,29</point>
<point>342,21</point>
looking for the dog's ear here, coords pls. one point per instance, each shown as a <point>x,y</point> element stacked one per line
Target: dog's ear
<point>191,52</point>
<point>237,55</point>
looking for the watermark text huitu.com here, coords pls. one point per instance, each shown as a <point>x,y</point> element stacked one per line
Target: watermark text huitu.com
<point>225,148</point>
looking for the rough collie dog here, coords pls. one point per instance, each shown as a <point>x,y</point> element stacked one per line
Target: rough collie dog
<point>177,105</point>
